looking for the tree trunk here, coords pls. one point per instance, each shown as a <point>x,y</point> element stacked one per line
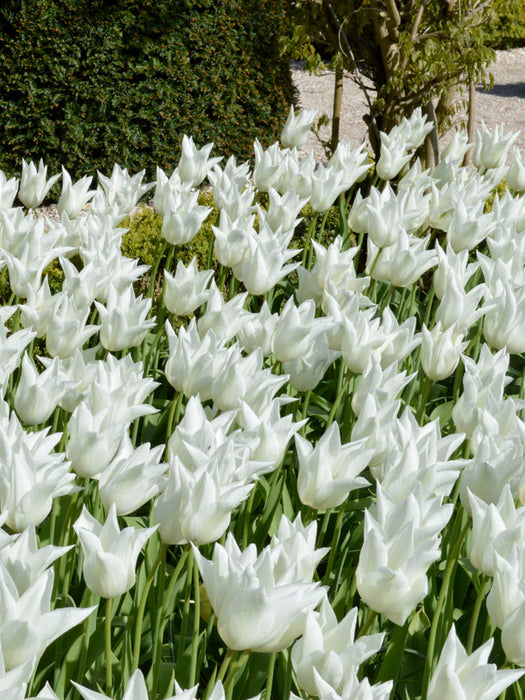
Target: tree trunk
<point>471,118</point>
<point>336,110</point>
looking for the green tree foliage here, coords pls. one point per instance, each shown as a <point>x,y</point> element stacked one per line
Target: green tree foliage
<point>87,83</point>
<point>412,53</point>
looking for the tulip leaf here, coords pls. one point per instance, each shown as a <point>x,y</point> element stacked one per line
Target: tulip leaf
<point>443,412</point>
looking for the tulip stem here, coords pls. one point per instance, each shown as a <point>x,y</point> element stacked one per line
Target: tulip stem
<point>337,401</point>
<point>372,614</point>
<point>475,614</point>
<point>161,619</point>
<point>425,393</point>
<point>173,418</point>
<point>335,540</point>
<point>269,680</point>
<point>451,565</point>
<point>142,606</point>
<point>196,622</point>
<point>107,637</point>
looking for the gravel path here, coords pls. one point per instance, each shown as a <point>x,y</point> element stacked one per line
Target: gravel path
<point>505,103</point>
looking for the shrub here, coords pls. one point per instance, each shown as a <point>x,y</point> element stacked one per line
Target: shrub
<point>89,83</point>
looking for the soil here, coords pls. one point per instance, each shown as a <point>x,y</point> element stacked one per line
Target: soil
<point>503,104</point>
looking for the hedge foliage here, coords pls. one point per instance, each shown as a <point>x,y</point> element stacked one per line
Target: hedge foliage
<point>87,83</point>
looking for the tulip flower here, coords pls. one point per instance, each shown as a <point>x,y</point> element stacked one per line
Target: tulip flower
<point>329,471</point>
<point>195,163</point>
<point>28,624</point>
<point>34,184</point>
<point>186,290</point>
<point>31,474</point>
<point>516,173</point>
<point>392,156</point>
<point>196,505</point>
<point>132,478</point>
<point>328,649</point>
<point>182,217</point>
<point>93,442</point>
<point>297,127</point>
<point>123,322</point>
<point>266,170</point>
<point>74,197</point>
<point>491,147</point>
<point>401,540</point>
<point>8,190</point>
<point>459,676</point>
<point>136,690</point>
<point>110,555</point>
<point>295,330</point>
<point>38,394</point>
<point>122,189</point>
<point>440,351</point>
<point>224,318</point>
<point>261,602</point>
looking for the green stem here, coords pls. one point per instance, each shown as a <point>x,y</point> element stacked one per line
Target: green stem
<point>335,540</point>
<point>475,614</point>
<point>161,617</point>
<point>311,229</point>
<point>142,606</point>
<point>337,401</point>
<point>447,577</point>
<point>372,614</point>
<point>107,639</point>
<point>173,418</point>
<point>269,678</point>
<point>196,622</point>
<point>427,388</point>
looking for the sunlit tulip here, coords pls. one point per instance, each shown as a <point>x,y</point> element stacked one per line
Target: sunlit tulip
<point>110,554</point>
<point>491,147</point>
<point>8,190</point>
<point>440,351</point>
<point>136,690</point>
<point>28,624</point>
<point>93,442</point>
<point>353,689</point>
<point>123,319</point>
<point>267,165</point>
<point>259,608</point>
<point>400,542</point>
<point>195,163</point>
<point>516,174</point>
<point>329,471</point>
<point>186,290</point>
<point>25,561</point>
<point>66,330</point>
<point>297,127</point>
<point>182,217</point>
<point>34,184</point>
<point>330,648</point>
<point>132,478</point>
<point>459,676</point>
<point>196,505</point>
<point>38,394</point>
<point>489,521</point>
<point>392,157</point>
<point>122,189</point>
<point>31,474</point>
<point>388,382</point>
<point>296,329</point>
<point>75,196</point>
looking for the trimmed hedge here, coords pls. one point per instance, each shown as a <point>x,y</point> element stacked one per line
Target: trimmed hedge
<point>87,83</point>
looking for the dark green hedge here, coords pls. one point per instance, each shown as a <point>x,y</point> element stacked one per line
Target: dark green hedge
<point>87,83</point>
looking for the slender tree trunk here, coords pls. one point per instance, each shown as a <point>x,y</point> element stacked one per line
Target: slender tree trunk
<point>471,118</point>
<point>336,110</point>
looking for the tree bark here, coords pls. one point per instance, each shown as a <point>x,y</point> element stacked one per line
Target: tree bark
<point>336,110</point>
